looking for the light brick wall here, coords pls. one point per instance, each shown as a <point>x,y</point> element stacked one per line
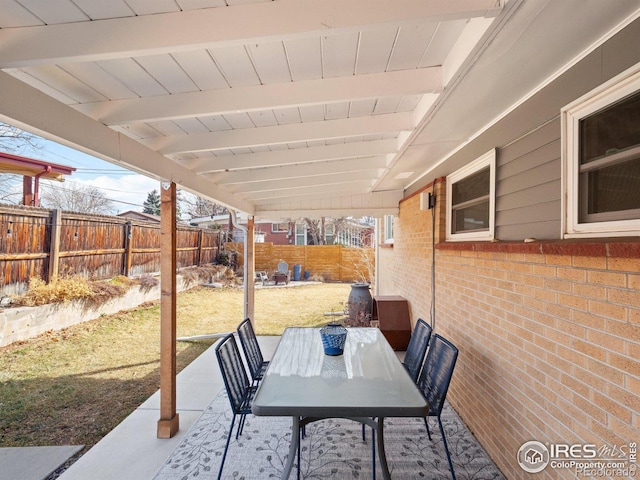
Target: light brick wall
<point>549,334</point>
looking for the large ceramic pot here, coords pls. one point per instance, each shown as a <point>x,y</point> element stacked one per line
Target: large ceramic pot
<point>360,303</point>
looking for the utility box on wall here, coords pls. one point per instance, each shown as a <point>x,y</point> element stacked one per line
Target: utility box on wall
<point>392,314</point>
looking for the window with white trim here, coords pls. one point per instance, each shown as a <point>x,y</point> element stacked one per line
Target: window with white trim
<point>279,227</point>
<point>601,137</point>
<point>471,200</point>
<point>301,234</point>
<point>388,229</point>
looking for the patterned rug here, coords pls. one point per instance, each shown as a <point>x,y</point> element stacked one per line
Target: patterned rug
<point>332,449</point>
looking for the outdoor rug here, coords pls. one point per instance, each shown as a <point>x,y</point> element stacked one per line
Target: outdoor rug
<point>331,449</point>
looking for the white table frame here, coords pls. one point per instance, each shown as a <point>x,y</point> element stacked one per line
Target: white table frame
<point>366,384</point>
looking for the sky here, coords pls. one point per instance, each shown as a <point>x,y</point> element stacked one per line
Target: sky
<point>128,190</point>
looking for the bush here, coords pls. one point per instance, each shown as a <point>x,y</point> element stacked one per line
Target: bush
<point>57,291</point>
<point>147,282</point>
<point>208,274</point>
<point>65,289</point>
<point>222,258</point>
<point>122,280</point>
<point>103,291</point>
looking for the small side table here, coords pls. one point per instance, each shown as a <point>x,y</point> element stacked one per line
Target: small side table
<point>392,313</point>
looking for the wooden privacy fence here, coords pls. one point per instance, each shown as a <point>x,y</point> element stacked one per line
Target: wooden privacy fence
<point>36,242</point>
<point>334,263</point>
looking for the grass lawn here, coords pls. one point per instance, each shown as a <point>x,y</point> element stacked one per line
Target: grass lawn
<point>71,387</point>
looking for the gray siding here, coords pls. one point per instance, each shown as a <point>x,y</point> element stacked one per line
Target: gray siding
<point>528,188</point>
<point>528,143</point>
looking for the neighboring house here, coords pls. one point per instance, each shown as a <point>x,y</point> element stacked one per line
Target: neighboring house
<point>32,171</point>
<point>537,259</point>
<point>147,217</point>
<point>350,232</point>
<point>223,222</point>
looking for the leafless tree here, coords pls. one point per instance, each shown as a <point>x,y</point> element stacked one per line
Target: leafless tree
<point>197,207</point>
<point>10,188</point>
<point>316,230</point>
<point>339,225</point>
<point>14,140</point>
<point>76,198</point>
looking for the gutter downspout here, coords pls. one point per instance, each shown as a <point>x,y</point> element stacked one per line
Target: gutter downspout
<point>245,266</point>
<point>36,187</point>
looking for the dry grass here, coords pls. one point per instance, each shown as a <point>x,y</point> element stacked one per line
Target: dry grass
<point>59,290</point>
<point>65,289</point>
<point>276,308</point>
<point>75,385</point>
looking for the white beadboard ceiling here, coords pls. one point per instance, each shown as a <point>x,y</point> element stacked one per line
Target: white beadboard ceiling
<point>283,108</point>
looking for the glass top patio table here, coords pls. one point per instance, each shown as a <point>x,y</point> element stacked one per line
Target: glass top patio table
<point>367,381</point>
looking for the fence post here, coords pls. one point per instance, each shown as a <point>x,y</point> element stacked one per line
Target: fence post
<point>199,252</point>
<point>128,248</point>
<point>54,246</point>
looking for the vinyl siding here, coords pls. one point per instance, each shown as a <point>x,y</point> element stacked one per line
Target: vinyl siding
<point>528,188</point>
<point>528,143</point>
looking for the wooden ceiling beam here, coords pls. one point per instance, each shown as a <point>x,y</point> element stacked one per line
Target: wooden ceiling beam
<point>265,97</point>
<point>281,134</point>
<point>292,173</point>
<point>274,158</point>
<point>215,27</point>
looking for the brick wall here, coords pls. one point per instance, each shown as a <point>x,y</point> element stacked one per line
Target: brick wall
<point>549,333</point>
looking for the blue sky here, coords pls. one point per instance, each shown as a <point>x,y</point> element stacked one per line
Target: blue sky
<point>127,189</point>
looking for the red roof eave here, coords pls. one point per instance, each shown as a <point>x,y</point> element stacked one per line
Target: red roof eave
<point>10,163</point>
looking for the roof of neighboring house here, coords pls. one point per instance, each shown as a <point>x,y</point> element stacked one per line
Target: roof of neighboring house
<point>140,216</point>
<point>31,167</point>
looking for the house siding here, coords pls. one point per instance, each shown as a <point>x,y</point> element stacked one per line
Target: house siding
<point>528,143</point>
<point>548,330</point>
<point>528,188</point>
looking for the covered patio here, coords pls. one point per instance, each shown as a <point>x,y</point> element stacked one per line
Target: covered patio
<point>132,451</point>
<point>290,108</point>
<point>277,109</point>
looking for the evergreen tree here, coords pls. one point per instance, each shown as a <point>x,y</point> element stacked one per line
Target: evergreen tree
<point>152,203</point>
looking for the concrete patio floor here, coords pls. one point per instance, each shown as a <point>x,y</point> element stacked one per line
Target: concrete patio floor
<point>132,451</point>
<point>33,463</point>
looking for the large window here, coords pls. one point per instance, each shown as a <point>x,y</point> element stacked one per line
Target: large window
<point>471,200</point>
<point>601,134</point>
<point>301,234</point>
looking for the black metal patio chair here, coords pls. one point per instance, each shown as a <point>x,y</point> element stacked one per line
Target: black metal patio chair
<point>238,386</point>
<point>417,348</point>
<point>252,352</point>
<point>434,382</point>
<point>413,360</point>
